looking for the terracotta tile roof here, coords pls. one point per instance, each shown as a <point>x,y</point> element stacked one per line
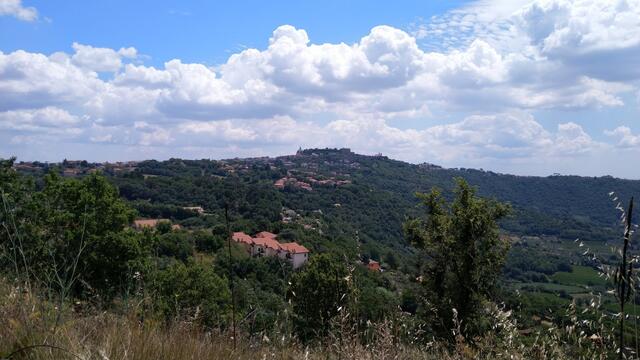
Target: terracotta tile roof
<point>272,243</point>
<point>242,237</point>
<point>267,242</point>
<point>373,265</point>
<point>266,234</point>
<point>294,248</point>
<point>279,184</point>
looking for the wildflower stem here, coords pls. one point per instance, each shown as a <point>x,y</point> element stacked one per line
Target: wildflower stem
<point>624,276</point>
<point>233,298</point>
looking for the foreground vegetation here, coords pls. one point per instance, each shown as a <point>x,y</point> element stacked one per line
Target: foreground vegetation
<point>35,329</point>
<point>78,282</point>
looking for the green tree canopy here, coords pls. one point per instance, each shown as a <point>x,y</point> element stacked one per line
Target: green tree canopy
<point>464,254</point>
<point>70,235</point>
<point>192,291</point>
<point>318,293</point>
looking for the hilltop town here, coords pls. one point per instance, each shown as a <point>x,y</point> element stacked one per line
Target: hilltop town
<point>302,169</point>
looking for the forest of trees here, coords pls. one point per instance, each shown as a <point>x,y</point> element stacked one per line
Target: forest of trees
<point>72,237</point>
<point>444,244</point>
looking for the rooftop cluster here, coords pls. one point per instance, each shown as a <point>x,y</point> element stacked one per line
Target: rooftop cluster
<point>264,243</point>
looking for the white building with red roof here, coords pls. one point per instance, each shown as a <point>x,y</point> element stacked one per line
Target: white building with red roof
<point>241,237</point>
<point>245,240</point>
<point>295,253</point>
<point>265,244</point>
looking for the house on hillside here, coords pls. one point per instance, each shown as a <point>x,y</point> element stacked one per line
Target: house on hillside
<point>295,253</point>
<point>196,209</point>
<point>265,246</point>
<point>373,265</point>
<point>243,239</point>
<point>71,172</point>
<point>292,181</point>
<point>279,184</point>
<point>264,243</point>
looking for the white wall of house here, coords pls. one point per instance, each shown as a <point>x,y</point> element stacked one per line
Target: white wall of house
<point>271,252</point>
<point>298,260</point>
<point>258,250</point>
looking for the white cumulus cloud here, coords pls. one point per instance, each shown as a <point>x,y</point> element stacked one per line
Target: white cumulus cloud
<point>16,9</point>
<point>100,59</point>
<point>625,137</point>
<point>49,119</point>
<point>471,99</point>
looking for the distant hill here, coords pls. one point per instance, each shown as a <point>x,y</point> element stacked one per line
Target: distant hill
<point>368,194</point>
<point>351,205</point>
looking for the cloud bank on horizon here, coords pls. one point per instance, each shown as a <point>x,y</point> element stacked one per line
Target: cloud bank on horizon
<point>467,88</point>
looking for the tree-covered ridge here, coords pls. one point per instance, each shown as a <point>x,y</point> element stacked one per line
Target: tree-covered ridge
<point>375,196</point>
<point>565,206</point>
<point>373,199</point>
<point>442,275</point>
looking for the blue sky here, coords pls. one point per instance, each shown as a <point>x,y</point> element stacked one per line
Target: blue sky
<point>201,31</point>
<point>518,86</point>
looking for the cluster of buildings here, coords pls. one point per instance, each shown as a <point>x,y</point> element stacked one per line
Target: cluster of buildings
<point>329,182</point>
<point>264,243</point>
<point>291,181</point>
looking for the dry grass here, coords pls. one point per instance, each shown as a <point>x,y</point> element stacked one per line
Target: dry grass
<point>31,321</point>
<point>80,334</point>
<point>30,325</point>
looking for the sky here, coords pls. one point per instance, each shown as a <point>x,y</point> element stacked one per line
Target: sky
<point>522,87</point>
